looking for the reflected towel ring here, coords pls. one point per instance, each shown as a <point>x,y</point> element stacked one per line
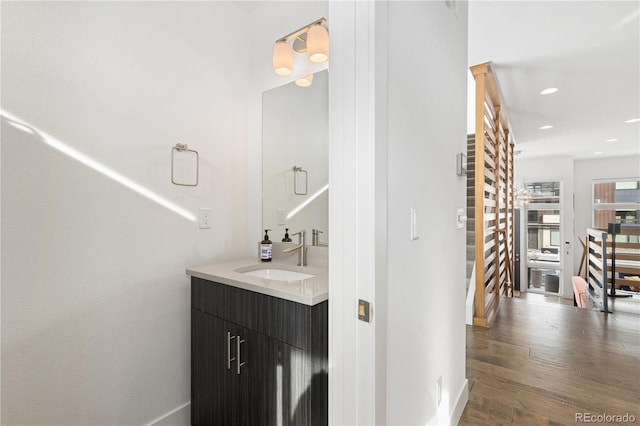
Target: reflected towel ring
<point>299,174</point>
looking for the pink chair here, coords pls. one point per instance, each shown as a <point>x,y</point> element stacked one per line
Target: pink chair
<point>580,291</point>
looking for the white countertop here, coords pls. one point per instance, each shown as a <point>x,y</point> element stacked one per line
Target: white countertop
<point>310,291</point>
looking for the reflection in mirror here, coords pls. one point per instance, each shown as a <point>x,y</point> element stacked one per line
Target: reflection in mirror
<point>616,201</point>
<point>295,152</point>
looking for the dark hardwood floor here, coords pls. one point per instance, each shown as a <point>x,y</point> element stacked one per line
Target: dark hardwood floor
<point>544,362</point>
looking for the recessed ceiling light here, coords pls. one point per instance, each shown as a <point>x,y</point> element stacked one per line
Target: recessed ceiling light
<point>546,126</point>
<point>633,120</point>
<point>612,140</point>
<point>598,152</point>
<point>549,91</point>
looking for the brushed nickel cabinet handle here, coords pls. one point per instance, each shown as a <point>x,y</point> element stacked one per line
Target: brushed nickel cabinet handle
<point>238,363</point>
<point>229,359</point>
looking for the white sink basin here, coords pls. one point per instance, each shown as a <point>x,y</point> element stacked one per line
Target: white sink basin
<point>278,274</point>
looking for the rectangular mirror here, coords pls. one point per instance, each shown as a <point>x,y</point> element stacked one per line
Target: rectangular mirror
<point>295,159</point>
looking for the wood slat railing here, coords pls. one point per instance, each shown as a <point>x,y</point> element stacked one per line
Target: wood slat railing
<point>493,195</point>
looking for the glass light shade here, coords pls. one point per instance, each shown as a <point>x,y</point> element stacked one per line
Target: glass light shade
<point>282,58</point>
<point>305,81</point>
<point>318,44</point>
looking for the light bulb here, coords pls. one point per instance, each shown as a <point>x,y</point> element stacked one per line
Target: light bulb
<point>318,44</point>
<point>282,58</point>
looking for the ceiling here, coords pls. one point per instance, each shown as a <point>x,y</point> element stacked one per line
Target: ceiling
<point>589,50</point>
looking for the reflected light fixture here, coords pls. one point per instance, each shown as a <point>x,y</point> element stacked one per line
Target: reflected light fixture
<point>633,120</point>
<point>312,39</point>
<point>305,81</point>
<point>546,127</point>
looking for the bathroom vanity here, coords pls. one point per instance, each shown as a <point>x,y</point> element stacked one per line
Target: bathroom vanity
<point>259,344</point>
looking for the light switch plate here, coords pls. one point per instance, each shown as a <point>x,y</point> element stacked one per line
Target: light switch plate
<point>460,218</point>
<point>414,224</point>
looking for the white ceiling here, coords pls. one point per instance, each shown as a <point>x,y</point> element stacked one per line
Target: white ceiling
<point>589,50</point>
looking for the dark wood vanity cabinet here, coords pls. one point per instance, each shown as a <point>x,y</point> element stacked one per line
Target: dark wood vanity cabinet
<point>256,359</point>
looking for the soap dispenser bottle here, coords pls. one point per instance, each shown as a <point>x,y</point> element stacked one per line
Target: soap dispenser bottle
<point>266,247</point>
<point>286,238</point>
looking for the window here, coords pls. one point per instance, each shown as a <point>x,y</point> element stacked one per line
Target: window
<point>616,201</point>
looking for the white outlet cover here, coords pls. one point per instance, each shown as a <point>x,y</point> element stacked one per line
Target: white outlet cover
<point>204,221</point>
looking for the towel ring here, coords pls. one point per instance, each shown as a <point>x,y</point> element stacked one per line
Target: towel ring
<point>181,147</point>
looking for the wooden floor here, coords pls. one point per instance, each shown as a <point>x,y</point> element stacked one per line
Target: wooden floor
<point>542,362</point>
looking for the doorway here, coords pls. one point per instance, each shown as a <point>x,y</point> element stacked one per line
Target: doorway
<point>540,248</point>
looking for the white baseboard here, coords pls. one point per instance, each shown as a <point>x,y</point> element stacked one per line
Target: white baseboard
<point>180,416</point>
<point>461,402</point>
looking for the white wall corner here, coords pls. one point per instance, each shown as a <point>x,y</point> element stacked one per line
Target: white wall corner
<point>352,262</point>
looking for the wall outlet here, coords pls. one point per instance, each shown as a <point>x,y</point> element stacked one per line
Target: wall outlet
<point>439,391</point>
<point>205,218</point>
<point>281,216</point>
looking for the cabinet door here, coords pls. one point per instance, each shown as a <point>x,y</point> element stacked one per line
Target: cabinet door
<point>216,379</point>
<point>259,385</point>
<point>197,367</point>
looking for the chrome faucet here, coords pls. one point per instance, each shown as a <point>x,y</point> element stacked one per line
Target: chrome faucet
<point>302,246</point>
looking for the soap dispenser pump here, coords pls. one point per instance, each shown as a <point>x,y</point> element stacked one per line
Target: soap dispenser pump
<point>266,247</point>
<point>286,238</point>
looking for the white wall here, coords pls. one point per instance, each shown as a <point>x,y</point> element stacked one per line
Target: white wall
<point>95,301</point>
<point>397,114</point>
<point>427,76</point>
<point>585,171</point>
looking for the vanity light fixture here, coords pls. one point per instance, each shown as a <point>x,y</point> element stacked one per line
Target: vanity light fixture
<point>312,39</point>
<point>546,127</point>
<point>612,140</point>
<point>549,91</point>
<point>633,120</point>
<point>318,44</point>
<point>282,58</point>
<point>305,81</point>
